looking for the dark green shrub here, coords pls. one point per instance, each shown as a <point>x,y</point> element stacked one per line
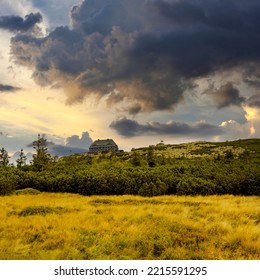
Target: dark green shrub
<point>40,210</point>
<point>8,181</point>
<point>27,191</point>
<point>195,186</point>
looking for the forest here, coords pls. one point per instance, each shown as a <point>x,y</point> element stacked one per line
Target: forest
<point>199,168</point>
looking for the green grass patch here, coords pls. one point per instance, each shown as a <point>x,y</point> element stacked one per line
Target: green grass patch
<point>27,191</point>
<point>40,210</point>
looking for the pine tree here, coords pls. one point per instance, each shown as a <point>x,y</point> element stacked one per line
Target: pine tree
<point>4,158</point>
<point>42,157</point>
<point>21,161</point>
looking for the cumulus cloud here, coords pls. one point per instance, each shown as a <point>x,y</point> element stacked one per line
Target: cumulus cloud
<point>18,24</point>
<point>145,53</point>
<point>72,145</point>
<point>61,150</point>
<point>235,130</point>
<point>131,128</point>
<point>8,88</point>
<point>75,141</point>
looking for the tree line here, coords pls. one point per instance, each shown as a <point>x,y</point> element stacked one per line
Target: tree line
<point>129,173</point>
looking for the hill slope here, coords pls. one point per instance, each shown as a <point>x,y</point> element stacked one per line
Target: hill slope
<point>200,168</point>
<point>239,148</point>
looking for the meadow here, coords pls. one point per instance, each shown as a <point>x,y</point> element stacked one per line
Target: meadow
<point>39,225</point>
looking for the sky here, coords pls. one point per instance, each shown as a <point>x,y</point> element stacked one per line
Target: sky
<point>139,72</point>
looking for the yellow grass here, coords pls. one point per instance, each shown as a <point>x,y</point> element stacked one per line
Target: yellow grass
<point>67,226</point>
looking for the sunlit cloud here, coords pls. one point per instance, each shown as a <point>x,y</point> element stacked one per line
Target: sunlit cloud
<point>114,46</point>
<point>129,70</point>
<point>253,117</point>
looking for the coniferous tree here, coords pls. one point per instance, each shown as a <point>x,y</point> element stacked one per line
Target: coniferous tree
<point>21,161</point>
<point>4,158</point>
<point>42,157</point>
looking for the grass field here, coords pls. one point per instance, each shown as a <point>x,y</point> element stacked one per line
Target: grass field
<point>66,226</point>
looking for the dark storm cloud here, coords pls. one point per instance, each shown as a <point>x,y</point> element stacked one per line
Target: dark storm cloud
<point>226,96</point>
<point>145,52</point>
<point>131,128</point>
<point>18,24</point>
<point>237,15</point>
<point>100,16</point>
<point>254,100</point>
<point>8,88</point>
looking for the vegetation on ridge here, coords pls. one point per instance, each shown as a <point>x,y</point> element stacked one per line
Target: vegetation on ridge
<point>188,169</point>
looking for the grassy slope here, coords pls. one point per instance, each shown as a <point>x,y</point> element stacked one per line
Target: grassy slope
<point>66,226</point>
<point>207,149</point>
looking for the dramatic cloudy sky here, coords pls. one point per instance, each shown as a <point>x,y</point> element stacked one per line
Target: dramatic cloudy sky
<point>137,71</point>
